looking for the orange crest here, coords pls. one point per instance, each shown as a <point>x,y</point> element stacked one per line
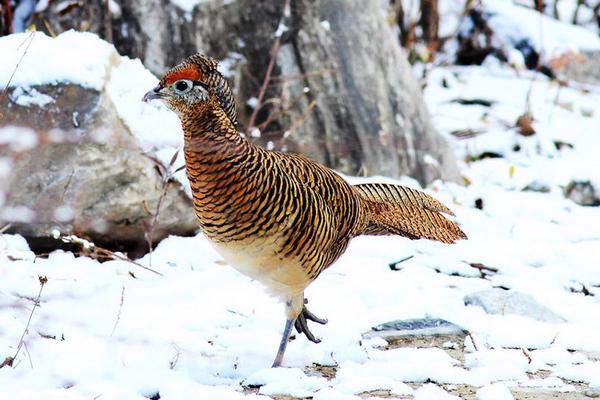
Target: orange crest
<point>187,72</point>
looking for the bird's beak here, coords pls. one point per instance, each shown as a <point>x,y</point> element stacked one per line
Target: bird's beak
<point>153,94</point>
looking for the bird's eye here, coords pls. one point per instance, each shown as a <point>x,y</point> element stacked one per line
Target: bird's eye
<point>183,86</point>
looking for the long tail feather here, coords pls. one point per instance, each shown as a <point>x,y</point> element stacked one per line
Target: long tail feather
<point>398,210</point>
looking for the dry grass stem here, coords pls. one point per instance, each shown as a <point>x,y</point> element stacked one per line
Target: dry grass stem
<point>10,360</point>
<point>28,40</point>
<point>119,312</point>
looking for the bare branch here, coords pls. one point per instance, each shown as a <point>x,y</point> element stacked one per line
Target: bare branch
<point>91,250</point>
<point>267,79</point>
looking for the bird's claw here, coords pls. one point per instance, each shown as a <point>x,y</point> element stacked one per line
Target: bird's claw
<point>302,326</point>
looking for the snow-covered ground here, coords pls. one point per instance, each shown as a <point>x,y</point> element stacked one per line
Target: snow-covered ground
<point>115,331</point>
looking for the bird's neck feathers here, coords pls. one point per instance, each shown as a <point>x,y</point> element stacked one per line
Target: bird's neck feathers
<point>208,129</point>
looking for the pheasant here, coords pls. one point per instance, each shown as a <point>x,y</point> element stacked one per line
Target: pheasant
<point>280,218</point>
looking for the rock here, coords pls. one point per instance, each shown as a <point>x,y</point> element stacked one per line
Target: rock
<point>592,393</point>
<point>499,301</point>
<point>77,114</point>
<point>77,168</point>
<point>422,332</point>
<point>416,327</point>
<point>345,97</point>
<point>583,193</point>
<point>537,186</point>
<point>582,67</point>
<point>524,124</point>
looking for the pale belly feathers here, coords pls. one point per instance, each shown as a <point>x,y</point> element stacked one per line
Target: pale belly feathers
<point>261,260</point>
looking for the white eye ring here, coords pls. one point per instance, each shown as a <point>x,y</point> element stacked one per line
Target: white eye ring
<point>182,86</point>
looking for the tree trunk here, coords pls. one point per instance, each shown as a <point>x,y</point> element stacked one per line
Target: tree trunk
<point>341,90</point>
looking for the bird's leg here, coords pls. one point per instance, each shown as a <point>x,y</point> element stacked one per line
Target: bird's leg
<point>297,315</point>
<point>293,307</point>
<point>283,343</point>
<point>302,326</point>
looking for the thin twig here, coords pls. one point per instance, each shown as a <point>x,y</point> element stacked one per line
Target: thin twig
<point>526,354</point>
<point>267,78</point>
<point>119,312</point>
<point>300,119</point>
<point>167,174</point>
<point>175,358</point>
<point>472,340</point>
<point>393,265</point>
<point>5,228</point>
<point>92,250</point>
<point>277,111</point>
<point>9,360</point>
<point>5,91</point>
<point>482,267</point>
<point>112,255</point>
<point>28,354</point>
<point>49,28</point>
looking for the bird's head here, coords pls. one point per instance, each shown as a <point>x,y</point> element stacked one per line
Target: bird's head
<point>193,83</point>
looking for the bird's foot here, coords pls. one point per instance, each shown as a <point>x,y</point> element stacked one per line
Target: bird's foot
<point>302,326</point>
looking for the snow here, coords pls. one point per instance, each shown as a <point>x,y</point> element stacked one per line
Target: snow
<point>433,392</point>
<point>202,330</point>
<point>72,57</point>
<point>551,36</point>
<point>27,97</point>
<point>278,381</point>
<point>188,5</point>
<point>152,123</point>
<point>114,8</point>
<point>494,392</point>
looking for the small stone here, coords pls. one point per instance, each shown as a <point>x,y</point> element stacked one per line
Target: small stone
<point>524,125</point>
<point>537,186</point>
<point>592,393</point>
<point>583,193</point>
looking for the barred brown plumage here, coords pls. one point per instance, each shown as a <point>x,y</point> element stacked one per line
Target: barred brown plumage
<point>280,218</point>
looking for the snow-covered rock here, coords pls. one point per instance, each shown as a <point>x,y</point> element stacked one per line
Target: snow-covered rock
<point>416,327</point>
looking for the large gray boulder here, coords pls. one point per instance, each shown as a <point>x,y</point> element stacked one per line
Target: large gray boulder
<point>341,90</point>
